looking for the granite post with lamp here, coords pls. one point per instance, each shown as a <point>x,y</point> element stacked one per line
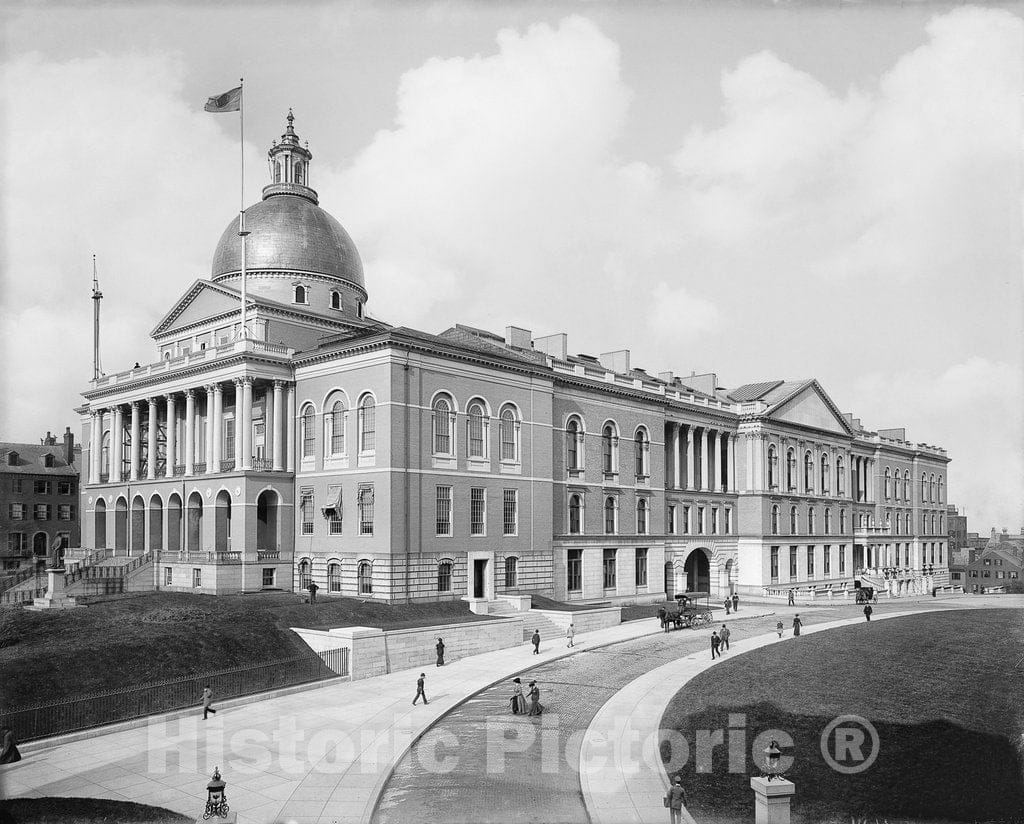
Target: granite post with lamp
<point>772,792</point>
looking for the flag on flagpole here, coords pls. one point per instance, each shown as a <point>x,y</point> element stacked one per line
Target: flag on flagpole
<point>230,101</point>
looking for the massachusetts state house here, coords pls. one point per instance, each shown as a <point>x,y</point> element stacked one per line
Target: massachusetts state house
<point>384,462</point>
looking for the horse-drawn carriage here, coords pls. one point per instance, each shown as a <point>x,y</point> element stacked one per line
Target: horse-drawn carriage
<point>692,609</point>
<point>866,595</point>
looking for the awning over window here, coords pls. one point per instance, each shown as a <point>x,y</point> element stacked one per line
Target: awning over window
<point>333,505</point>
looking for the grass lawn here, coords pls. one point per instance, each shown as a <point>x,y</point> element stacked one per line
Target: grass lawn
<point>945,691</point>
<point>84,811</point>
<point>156,636</point>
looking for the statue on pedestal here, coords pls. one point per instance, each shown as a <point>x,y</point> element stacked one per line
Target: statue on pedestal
<point>55,560</point>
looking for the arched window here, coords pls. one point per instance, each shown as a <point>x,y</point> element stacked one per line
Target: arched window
<point>367,425</point>
<point>941,526</point>
<point>810,520</point>
<point>575,514</point>
<point>790,469</point>
<point>509,426</point>
<point>574,445</point>
<point>643,452</point>
<point>609,515</point>
<point>825,479</point>
<point>334,577</point>
<point>924,524</point>
<point>610,449</point>
<point>773,467</point>
<point>277,173</point>
<point>641,516</point>
<point>308,431</point>
<point>828,521</point>
<point>775,520</point>
<point>511,572</point>
<point>924,488</point>
<point>907,528</point>
<point>842,521</point>
<point>933,524</point>
<point>906,486</point>
<point>793,521</point>
<point>444,576</point>
<point>476,430</point>
<point>364,577</point>
<point>444,423</point>
<point>808,472</point>
<point>940,498</point>
<point>305,573</point>
<point>334,429</point>
<point>300,172</point>
<point>840,478</point>
<point>300,295</point>
<point>335,299</point>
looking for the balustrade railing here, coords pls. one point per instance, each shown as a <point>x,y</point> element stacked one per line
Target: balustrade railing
<point>179,470</point>
<point>126,474</point>
<point>262,465</point>
<point>199,468</point>
<point>104,477</point>
<point>268,554</point>
<point>227,466</point>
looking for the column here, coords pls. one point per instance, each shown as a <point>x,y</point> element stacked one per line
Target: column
<point>117,436</point>
<point>705,448</point>
<point>190,435</point>
<point>172,436</point>
<point>689,457</point>
<point>136,447</point>
<point>208,431</point>
<point>715,464</point>
<point>151,445</point>
<point>730,462</point>
<point>279,426</point>
<point>289,446</point>
<point>218,421</point>
<point>238,423</point>
<point>93,448</point>
<point>764,440</point>
<point>801,481</point>
<point>246,423</point>
<point>869,486</point>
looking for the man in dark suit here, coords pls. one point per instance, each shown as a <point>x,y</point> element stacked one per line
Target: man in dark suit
<point>419,689</point>
<point>536,642</point>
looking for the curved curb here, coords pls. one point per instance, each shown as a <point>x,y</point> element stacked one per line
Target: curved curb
<point>625,786</point>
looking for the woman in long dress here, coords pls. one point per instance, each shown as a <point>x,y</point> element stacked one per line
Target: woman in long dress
<point>797,623</point>
<point>518,702</point>
<point>440,652</point>
<point>536,708</point>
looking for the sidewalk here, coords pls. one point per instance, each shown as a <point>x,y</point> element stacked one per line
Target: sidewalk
<point>316,755</point>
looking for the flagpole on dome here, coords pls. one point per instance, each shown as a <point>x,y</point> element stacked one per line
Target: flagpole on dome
<point>242,233</point>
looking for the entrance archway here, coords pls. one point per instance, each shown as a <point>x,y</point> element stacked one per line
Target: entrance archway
<point>222,521</point>
<point>267,521</point>
<point>698,571</point>
<point>156,523</point>
<point>174,523</point>
<point>121,526</point>
<point>195,522</point>
<point>138,542</point>
<point>100,524</point>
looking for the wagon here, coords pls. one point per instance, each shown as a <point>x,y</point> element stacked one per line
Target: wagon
<point>693,609</point>
<point>866,595</point>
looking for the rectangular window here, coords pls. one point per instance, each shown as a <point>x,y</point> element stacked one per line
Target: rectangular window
<point>574,570</point>
<point>17,512</point>
<point>686,520</point>
<point>334,520</point>
<point>41,487</point>
<point>16,486</point>
<point>65,512</point>
<point>197,577</point>
<point>641,567</point>
<point>229,439</point>
<point>609,568</point>
<point>366,510</point>
<point>168,576</point>
<point>700,520</point>
<point>826,561</point>
<point>477,511</point>
<point>672,520</point>
<point>17,543</point>
<point>714,520</point>
<point>842,559</point>
<point>728,521</point>
<point>268,576</point>
<point>775,564</point>
<point>510,512</point>
<point>65,488</point>
<point>444,577</point>
<point>306,507</point>
<point>444,510</point>
<point>42,512</point>
<point>810,562</point>
<point>792,563</point>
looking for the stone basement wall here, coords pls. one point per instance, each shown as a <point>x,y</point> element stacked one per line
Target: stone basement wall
<point>583,621</point>
<point>373,651</point>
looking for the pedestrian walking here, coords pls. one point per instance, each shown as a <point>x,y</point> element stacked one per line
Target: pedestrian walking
<point>675,800</point>
<point>792,597</point>
<point>8,747</point>
<point>536,708</point>
<point>724,634</point>
<point>570,634</point>
<point>419,689</point>
<point>868,611</point>
<point>728,606</point>
<point>779,627</point>
<point>517,700</point>
<point>440,652</point>
<point>535,640</point>
<point>735,602</point>
<point>716,644</point>
<point>208,701</point>
<point>797,623</point>
<point>312,591</point>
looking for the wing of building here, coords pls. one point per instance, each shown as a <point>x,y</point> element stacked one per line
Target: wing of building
<point>323,445</point>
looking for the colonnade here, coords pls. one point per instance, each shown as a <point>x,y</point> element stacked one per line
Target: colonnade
<point>195,459</point>
<point>716,469</point>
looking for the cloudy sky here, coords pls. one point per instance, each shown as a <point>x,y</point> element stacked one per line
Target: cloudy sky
<point>760,190</point>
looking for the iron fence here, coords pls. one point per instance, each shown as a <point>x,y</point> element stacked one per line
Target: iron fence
<point>85,712</point>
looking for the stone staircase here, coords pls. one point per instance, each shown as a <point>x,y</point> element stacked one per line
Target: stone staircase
<point>88,572</point>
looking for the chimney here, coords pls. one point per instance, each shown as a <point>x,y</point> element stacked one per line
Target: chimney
<point>617,361</point>
<point>666,376</point>
<point>518,338</point>
<point>69,446</point>
<point>706,383</point>
<point>49,440</point>
<point>557,346</point>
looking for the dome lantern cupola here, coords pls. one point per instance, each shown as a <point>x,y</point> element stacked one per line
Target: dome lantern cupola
<point>289,166</point>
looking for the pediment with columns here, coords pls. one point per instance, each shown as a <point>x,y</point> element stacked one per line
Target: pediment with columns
<point>810,406</point>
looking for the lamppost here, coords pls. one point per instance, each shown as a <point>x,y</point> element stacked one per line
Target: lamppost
<point>216,801</point>
<point>772,757</point>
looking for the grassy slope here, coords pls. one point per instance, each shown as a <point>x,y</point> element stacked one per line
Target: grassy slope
<point>944,691</point>
<point>157,636</point>
<point>84,811</point>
